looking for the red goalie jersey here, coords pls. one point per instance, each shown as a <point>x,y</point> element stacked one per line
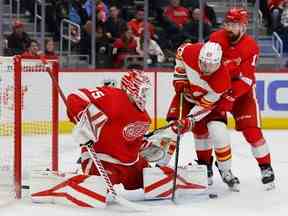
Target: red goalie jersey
<point>120,124</point>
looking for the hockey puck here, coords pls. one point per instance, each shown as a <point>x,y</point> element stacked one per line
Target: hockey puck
<point>213,195</point>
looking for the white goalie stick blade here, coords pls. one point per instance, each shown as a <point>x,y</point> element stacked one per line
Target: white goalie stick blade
<point>131,205</point>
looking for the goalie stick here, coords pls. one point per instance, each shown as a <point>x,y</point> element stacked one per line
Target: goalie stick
<point>119,199</point>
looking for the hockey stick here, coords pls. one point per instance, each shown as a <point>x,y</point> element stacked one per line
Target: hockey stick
<point>177,150</point>
<point>155,131</point>
<point>92,153</point>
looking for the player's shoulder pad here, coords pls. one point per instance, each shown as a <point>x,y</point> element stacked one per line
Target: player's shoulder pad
<point>111,95</point>
<point>250,46</point>
<point>180,50</point>
<point>188,51</point>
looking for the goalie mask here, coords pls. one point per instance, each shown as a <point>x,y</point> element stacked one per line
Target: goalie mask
<point>136,84</point>
<point>210,58</point>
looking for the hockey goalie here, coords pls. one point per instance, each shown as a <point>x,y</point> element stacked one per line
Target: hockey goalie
<point>110,127</point>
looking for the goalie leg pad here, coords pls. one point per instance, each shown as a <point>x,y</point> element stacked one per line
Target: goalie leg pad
<point>68,189</point>
<point>158,181</point>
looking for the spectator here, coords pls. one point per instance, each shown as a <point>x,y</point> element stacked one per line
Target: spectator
<point>283,27</point>
<point>275,11</point>
<point>103,47</point>
<point>114,24</point>
<point>77,13</point>
<point>209,13</point>
<point>50,49</point>
<point>18,39</point>
<point>155,53</point>
<point>191,29</point>
<point>137,24</point>
<point>28,5</point>
<point>32,49</point>
<point>284,16</point>
<point>123,47</point>
<point>101,9</point>
<point>62,12</point>
<point>176,13</point>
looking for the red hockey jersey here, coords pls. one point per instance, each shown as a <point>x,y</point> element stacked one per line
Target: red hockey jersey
<point>247,51</point>
<point>121,125</point>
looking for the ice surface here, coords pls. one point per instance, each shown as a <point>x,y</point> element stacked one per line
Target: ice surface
<point>252,200</point>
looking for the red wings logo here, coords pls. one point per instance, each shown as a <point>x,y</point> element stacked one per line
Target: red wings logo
<point>135,130</point>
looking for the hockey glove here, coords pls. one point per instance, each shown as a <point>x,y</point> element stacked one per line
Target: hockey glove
<point>180,85</point>
<point>225,104</point>
<point>159,147</point>
<point>183,125</point>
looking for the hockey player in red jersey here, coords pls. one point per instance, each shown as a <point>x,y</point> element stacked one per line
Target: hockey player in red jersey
<point>202,79</point>
<point>240,54</point>
<point>119,120</point>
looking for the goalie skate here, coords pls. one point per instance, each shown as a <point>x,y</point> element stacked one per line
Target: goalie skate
<point>268,177</point>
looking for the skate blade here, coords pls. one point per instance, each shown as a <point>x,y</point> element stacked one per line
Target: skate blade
<point>269,186</point>
<point>235,188</point>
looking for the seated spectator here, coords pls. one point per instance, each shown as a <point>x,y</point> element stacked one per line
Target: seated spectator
<point>123,47</point>
<point>102,45</point>
<point>209,13</point>
<point>283,27</point>
<point>137,24</point>
<point>50,49</point>
<point>61,12</point>
<point>176,13</point>
<point>284,16</point>
<point>32,49</point>
<point>275,11</point>
<point>18,39</point>
<point>114,24</point>
<point>191,29</point>
<point>155,53</point>
<point>77,13</point>
<point>101,9</point>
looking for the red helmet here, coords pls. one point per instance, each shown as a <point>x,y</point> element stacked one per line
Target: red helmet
<point>237,15</point>
<point>136,83</point>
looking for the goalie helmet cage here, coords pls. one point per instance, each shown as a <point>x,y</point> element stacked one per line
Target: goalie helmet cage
<point>21,114</point>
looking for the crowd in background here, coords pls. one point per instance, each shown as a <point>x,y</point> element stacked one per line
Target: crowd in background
<point>120,27</point>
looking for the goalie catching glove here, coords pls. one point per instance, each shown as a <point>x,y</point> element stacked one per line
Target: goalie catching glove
<point>158,147</point>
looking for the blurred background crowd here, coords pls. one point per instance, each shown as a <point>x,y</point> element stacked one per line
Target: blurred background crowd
<point>125,33</point>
